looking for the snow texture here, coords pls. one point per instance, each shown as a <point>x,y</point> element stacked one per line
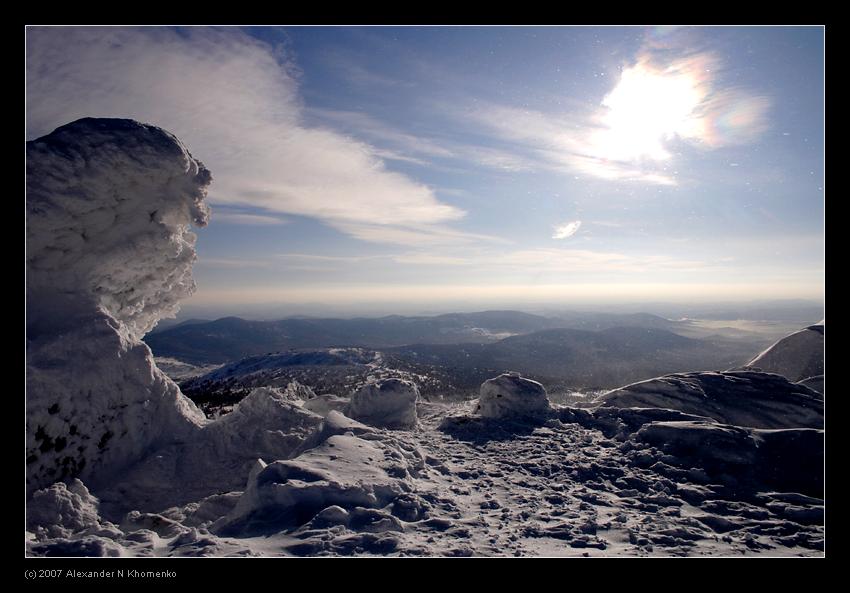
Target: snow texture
<point>109,205</point>
<point>795,357</point>
<point>389,403</point>
<point>743,398</point>
<point>509,394</point>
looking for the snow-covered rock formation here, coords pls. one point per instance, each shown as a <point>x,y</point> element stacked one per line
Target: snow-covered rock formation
<point>509,394</point>
<point>353,472</point>
<point>389,403</point>
<point>109,252</point>
<point>795,357</point>
<point>268,423</point>
<point>743,398</point>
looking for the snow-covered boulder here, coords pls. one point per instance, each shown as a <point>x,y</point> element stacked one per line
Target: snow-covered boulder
<point>795,357</point>
<point>742,398</point>
<point>109,252</point>
<point>346,471</point>
<point>510,394</point>
<point>389,403</point>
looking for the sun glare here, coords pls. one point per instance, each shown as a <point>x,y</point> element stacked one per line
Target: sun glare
<point>649,107</point>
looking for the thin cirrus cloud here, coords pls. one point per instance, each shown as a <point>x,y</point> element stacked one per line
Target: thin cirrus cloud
<point>566,230</point>
<point>235,104</point>
<point>626,137</point>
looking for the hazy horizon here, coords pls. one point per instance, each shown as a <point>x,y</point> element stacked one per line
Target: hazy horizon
<point>409,169</point>
<point>796,308</point>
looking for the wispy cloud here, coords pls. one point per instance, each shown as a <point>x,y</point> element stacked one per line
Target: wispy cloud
<point>234,103</point>
<point>566,230</point>
<point>248,219</point>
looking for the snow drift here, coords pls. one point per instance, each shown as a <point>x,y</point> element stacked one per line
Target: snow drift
<point>109,252</point>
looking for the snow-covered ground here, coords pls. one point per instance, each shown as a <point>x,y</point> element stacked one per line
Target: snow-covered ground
<point>623,482</point>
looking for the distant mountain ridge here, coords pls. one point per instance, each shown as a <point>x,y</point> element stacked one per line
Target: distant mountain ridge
<point>578,358</point>
<point>233,338</point>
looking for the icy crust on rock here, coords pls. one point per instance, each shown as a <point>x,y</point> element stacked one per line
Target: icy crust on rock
<point>389,403</point>
<point>109,252</point>
<point>509,394</point>
<point>795,357</point>
<point>743,398</point>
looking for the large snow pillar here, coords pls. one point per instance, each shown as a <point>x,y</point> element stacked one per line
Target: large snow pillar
<point>109,252</point>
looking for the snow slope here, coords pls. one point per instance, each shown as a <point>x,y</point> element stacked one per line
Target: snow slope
<point>796,357</point>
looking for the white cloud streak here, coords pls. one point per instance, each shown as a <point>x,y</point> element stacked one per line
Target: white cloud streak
<point>236,106</point>
<point>566,230</point>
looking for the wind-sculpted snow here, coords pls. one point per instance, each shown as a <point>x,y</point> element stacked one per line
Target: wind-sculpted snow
<point>796,357</point>
<point>743,398</point>
<point>509,394</point>
<point>109,205</point>
<point>268,423</point>
<point>389,403</point>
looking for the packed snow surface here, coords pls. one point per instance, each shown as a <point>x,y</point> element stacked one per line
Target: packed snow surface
<point>509,394</point>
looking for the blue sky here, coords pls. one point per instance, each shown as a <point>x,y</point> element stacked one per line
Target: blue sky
<point>427,168</point>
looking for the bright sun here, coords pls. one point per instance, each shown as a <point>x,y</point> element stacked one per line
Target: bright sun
<point>648,107</point>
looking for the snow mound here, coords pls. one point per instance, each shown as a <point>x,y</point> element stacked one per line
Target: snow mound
<point>62,510</point>
<point>509,394</point>
<point>795,357</point>
<point>743,398</point>
<point>109,205</point>
<point>346,471</point>
<point>389,403</point>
